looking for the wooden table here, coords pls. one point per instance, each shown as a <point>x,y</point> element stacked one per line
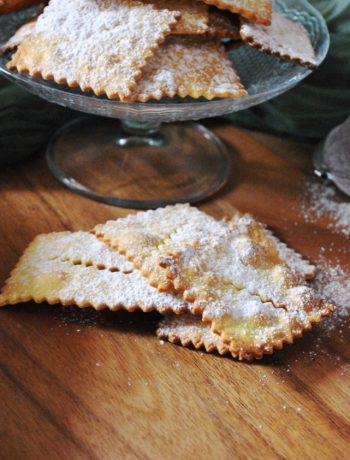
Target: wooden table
<point>86,385</point>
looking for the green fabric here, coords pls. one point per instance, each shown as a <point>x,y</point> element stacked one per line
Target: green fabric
<point>310,110</point>
<point>320,102</point>
<point>26,122</point>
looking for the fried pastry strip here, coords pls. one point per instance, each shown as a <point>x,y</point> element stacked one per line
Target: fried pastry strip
<point>257,332</point>
<point>194,15</point>
<point>189,330</point>
<point>77,269</point>
<point>284,38</point>
<point>259,11</point>
<point>245,283</point>
<point>189,66</point>
<point>100,45</point>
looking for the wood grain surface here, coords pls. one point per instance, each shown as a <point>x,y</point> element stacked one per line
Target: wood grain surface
<point>85,385</point>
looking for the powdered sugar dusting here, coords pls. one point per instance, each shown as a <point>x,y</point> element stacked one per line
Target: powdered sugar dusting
<point>194,15</point>
<point>145,236</point>
<point>41,278</point>
<point>295,261</point>
<point>85,248</point>
<point>98,44</point>
<point>188,66</point>
<point>283,38</point>
<point>234,260</point>
<point>322,201</point>
<point>333,283</point>
<point>211,256</point>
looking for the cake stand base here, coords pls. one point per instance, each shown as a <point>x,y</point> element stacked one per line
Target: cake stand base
<point>138,165</point>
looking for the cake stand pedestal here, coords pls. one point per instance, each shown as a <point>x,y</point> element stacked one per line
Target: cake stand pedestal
<point>149,165</point>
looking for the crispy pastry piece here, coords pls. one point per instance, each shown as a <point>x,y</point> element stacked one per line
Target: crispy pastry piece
<point>83,248</point>
<point>253,328</point>
<point>9,6</point>
<point>259,330</point>
<point>66,268</point>
<point>96,46</point>
<point>194,15</point>
<point>284,38</point>
<point>219,265</point>
<point>258,231</point>
<point>189,66</point>
<point>16,39</point>
<point>249,328</point>
<point>189,330</point>
<point>246,292</point>
<point>245,283</point>
<point>259,11</point>
<point>223,25</point>
<point>144,236</point>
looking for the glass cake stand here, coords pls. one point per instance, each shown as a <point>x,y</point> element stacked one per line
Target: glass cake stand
<point>140,163</point>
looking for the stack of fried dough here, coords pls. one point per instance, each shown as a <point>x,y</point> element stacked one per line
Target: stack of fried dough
<point>228,286</point>
<point>137,50</point>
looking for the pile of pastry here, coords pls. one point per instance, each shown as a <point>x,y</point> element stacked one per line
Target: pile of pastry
<point>229,286</point>
<point>148,49</point>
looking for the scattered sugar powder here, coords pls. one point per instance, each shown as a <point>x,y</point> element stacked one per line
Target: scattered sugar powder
<point>333,283</point>
<point>321,200</point>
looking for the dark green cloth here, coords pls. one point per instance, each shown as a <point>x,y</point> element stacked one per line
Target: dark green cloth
<point>26,122</point>
<point>320,102</point>
<point>310,110</point>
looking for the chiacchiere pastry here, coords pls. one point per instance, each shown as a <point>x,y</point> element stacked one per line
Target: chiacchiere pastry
<point>245,283</point>
<point>249,291</point>
<point>259,11</point>
<point>193,18</point>
<point>146,236</point>
<point>100,45</point>
<point>237,278</point>
<point>121,48</point>
<point>283,38</point>
<point>142,237</point>
<point>189,330</point>
<point>189,66</point>
<point>77,269</point>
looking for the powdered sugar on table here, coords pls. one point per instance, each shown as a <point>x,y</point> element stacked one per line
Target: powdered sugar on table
<point>320,201</point>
